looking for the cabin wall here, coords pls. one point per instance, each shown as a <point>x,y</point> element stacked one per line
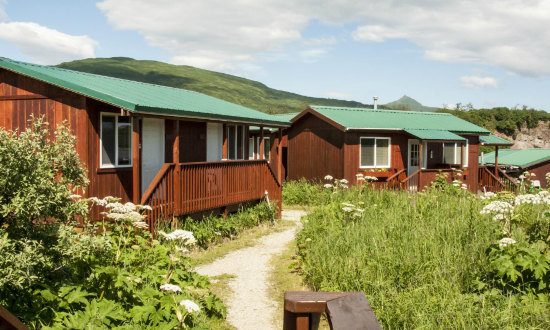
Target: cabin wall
<point>21,97</point>
<point>315,149</point>
<point>398,160</point>
<point>540,171</point>
<point>472,177</point>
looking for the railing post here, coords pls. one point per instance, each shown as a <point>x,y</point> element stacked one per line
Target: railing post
<point>136,162</point>
<point>261,147</point>
<point>177,170</point>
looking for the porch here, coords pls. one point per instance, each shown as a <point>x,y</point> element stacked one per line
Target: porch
<point>183,167</point>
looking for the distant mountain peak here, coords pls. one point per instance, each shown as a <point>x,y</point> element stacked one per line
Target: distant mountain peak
<point>408,103</point>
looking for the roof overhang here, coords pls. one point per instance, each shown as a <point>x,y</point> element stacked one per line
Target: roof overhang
<point>435,135</point>
<point>492,140</point>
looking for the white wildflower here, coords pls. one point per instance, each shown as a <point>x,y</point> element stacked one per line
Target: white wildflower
<point>371,178</point>
<point>348,204</point>
<point>528,199</point>
<point>75,196</point>
<point>506,241</point>
<point>532,174</point>
<point>488,195</point>
<point>179,234</point>
<point>497,207</point>
<point>360,178</point>
<point>359,175</point>
<point>499,217</point>
<point>357,214</point>
<point>347,209</point>
<point>522,177</point>
<point>344,181</point>
<point>97,201</point>
<point>345,186</point>
<point>140,225</point>
<point>359,210</point>
<point>456,184</point>
<point>328,178</point>
<point>170,287</point>
<point>146,207</point>
<point>328,185</point>
<point>464,186</point>
<point>190,306</point>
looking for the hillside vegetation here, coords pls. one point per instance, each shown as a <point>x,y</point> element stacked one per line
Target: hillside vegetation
<point>246,92</point>
<point>501,119</point>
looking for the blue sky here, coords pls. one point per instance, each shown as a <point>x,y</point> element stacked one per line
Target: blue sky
<point>490,53</point>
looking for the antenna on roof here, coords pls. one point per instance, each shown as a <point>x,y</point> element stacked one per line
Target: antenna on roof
<point>375,102</point>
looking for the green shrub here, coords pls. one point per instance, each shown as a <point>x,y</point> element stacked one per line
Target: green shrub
<point>304,193</point>
<point>212,229</point>
<point>423,260</point>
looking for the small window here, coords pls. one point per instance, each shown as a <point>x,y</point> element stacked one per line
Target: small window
<point>374,152</point>
<point>235,142</point>
<point>116,141</point>
<point>251,148</point>
<point>452,153</point>
<point>267,148</point>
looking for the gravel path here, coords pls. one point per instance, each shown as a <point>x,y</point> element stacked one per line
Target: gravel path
<point>250,307</point>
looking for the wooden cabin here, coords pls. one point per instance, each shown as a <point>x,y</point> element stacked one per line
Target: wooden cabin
<point>400,148</point>
<point>176,150</point>
<point>512,163</point>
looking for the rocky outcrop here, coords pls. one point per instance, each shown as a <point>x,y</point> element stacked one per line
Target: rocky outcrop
<point>538,137</point>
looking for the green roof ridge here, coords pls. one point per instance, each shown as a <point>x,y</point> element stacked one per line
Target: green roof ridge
<point>380,110</point>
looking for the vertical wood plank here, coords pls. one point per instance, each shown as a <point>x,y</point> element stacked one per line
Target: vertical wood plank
<point>136,161</point>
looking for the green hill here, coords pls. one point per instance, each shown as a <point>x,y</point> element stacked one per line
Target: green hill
<point>234,89</point>
<point>407,103</point>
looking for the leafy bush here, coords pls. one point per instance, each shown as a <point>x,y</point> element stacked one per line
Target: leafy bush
<point>54,274</point>
<point>213,229</point>
<point>424,260</point>
<point>304,193</point>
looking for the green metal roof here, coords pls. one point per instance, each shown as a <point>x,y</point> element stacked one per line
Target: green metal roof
<point>361,118</point>
<point>142,97</point>
<point>282,116</point>
<point>493,140</point>
<point>518,157</point>
<point>431,134</point>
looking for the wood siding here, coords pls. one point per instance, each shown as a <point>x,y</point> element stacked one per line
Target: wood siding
<point>540,171</point>
<point>315,149</point>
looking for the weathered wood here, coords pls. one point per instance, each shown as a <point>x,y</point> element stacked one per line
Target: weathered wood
<point>8,321</point>
<point>352,312</point>
<point>177,170</point>
<point>225,146</point>
<point>346,310</point>
<point>496,161</point>
<point>261,147</point>
<point>280,156</point>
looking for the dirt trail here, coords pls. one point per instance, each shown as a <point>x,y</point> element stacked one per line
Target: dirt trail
<point>250,307</point>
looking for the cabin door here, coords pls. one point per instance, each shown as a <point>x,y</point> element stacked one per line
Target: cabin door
<point>413,156</point>
<point>152,150</point>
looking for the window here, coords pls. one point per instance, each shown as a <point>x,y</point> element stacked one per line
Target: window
<point>235,141</point>
<point>116,141</point>
<point>374,152</point>
<point>451,153</point>
<point>267,148</point>
<point>251,148</point>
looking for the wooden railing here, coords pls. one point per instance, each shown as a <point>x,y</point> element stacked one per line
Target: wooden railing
<point>8,321</point>
<point>489,182</point>
<point>193,187</point>
<point>411,183</point>
<point>509,183</point>
<point>395,180</point>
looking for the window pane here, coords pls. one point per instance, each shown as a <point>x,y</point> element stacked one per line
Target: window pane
<point>124,141</point>
<point>382,154</point>
<point>108,140</point>
<point>240,137</point>
<point>231,136</point>
<point>251,148</point>
<point>448,153</point>
<point>414,154</point>
<point>367,152</point>
<point>267,147</point>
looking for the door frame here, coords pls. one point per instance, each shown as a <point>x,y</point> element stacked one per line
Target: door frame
<point>411,142</point>
<point>162,134</point>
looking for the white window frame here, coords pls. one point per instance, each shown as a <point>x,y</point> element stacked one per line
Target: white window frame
<point>456,153</point>
<point>236,140</point>
<point>376,165</point>
<point>108,114</point>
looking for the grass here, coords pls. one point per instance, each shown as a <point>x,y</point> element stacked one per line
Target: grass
<point>416,257</point>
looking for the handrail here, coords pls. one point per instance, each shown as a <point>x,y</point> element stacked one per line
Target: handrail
<point>396,175</point>
<point>412,175</point>
<point>155,182</point>
<point>10,321</point>
<point>509,179</point>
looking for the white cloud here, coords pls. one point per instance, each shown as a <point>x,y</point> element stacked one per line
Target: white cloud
<point>478,82</point>
<point>311,55</point>
<point>338,95</point>
<point>511,34</point>
<point>45,45</point>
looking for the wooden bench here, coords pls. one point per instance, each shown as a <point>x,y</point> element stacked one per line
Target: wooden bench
<point>345,310</point>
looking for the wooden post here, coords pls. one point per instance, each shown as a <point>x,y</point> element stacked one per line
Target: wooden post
<point>261,147</point>
<point>177,170</point>
<point>420,163</point>
<point>256,147</point>
<point>280,156</point>
<point>136,162</point>
<point>461,155</point>
<point>225,148</point>
<point>496,161</point>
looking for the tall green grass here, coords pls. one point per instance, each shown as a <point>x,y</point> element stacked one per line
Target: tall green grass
<point>417,257</point>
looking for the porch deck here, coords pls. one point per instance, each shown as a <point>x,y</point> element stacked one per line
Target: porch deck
<point>186,188</point>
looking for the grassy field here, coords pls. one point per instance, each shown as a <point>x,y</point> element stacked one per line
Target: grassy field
<point>428,260</point>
